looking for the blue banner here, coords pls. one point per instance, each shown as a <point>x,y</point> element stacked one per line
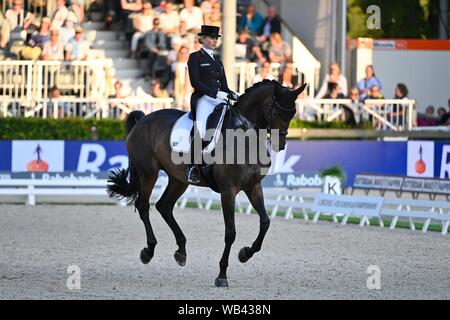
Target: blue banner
<point>414,158</point>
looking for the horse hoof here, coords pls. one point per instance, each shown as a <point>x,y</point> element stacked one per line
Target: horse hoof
<point>145,256</point>
<point>221,283</point>
<point>180,258</point>
<point>244,255</point>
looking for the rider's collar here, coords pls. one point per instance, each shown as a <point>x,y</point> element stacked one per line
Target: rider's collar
<point>209,51</point>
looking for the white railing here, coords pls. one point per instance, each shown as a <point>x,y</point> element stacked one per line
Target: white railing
<point>34,79</point>
<point>276,201</point>
<point>66,107</point>
<point>384,114</point>
<point>246,72</point>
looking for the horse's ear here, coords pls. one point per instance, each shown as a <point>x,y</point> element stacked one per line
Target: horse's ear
<point>300,89</point>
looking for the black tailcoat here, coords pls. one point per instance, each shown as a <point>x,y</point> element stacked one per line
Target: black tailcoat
<point>207,76</point>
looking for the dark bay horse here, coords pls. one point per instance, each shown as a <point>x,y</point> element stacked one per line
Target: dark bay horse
<point>267,105</point>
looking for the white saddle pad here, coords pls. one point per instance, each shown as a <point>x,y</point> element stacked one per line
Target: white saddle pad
<point>180,136</point>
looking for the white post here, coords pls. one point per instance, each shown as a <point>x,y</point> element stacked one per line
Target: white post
<point>229,39</point>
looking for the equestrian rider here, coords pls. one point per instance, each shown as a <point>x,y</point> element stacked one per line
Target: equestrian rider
<point>208,79</point>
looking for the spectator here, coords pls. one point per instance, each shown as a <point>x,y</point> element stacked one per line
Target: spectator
<point>207,6</point>
<point>246,49</point>
<point>53,49</point>
<point>43,35</point>
<point>31,51</point>
<point>5,29</point>
<point>56,107</point>
<point>156,91</point>
<point>142,23</point>
<point>77,7</point>
<point>192,15</point>
<point>333,76</point>
<point>112,12</point>
<point>128,7</point>
<point>170,19</point>
<point>356,106</point>
<point>155,42</point>
<point>375,93</point>
<point>287,78</point>
<point>60,15</point>
<point>19,19</point>
<point>428,119</point>
<point>445,117</point>
<point>39,6</point>
<point>181,75</point>
<point>214,18</point>
<point>67,32</point>
<point>116,107</point>
<point>272,24</point>
<point>264,73</point>
<point>442,116</point>
<point>78,48</point>
<point>253,21</point>
<point>333,92</point>
<point>279,50</point>
<point>184,37</point>
<point>398,110</point>
<point>364,85</point>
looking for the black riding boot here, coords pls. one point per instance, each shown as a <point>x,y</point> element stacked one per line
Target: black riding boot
<point>193,171</point>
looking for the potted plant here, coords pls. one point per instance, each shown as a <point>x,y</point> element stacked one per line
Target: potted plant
<point>333,178</point>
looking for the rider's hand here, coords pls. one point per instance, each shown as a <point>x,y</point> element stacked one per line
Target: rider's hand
<point>234,95</point>
<point>222,95</point>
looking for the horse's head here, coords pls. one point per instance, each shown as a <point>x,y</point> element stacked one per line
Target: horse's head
<point>269,105</point>
<point>281,110</point>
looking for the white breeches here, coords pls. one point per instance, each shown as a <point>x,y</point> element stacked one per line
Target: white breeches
<point>205,106</point>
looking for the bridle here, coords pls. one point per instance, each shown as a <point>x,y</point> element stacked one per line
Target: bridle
<point>286,115</point>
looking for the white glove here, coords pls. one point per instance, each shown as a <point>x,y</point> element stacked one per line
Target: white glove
<point>235,95</point>
<point>222,95</point>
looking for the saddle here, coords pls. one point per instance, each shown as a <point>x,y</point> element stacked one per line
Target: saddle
<point>182,132</point>
<point>223,117</point>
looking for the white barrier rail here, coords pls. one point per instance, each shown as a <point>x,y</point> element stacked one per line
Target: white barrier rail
<point>32,191</point>
<point>384,114</point>
<point>33,79</point>
<point>66,107</point>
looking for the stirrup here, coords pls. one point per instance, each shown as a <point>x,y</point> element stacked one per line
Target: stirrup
<point>196,178</point>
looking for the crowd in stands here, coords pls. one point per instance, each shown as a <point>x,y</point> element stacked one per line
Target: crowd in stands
<point>162,34</point>
<point>58,37</point>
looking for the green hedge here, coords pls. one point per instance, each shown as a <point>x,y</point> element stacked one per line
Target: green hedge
<point>80,129</point>
<point>62,129</point>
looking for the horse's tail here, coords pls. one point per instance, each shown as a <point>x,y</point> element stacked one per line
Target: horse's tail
<point>132,119</point>
<point>118,185</point>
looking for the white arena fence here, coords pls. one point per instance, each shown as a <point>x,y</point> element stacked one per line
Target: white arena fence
<point>277,201</point>
<point>323,109</point>
<point>30,80</point>
<point>384,114</point>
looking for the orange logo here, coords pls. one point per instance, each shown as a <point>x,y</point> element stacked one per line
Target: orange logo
<point>37,165</point>
<point>421,166</point>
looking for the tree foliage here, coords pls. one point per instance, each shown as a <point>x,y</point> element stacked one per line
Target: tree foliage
<point>406,19</point>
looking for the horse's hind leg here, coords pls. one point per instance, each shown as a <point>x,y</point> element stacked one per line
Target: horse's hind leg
<point>165,207</point>
<point>147,182</point>
<point>256,197</point>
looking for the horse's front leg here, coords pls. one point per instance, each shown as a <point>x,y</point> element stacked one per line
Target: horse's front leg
<point>256,197</point>
<point>228,203</point>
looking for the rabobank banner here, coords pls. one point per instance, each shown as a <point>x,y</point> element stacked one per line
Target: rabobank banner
<point>413,158</point>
